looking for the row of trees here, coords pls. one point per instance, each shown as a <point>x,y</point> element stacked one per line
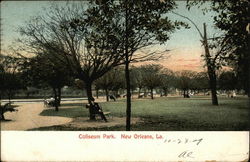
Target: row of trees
<point>152,77</point>
<point>39,73</point>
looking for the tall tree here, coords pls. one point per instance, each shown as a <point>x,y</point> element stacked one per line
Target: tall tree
<point>42,71</point>
<point>10,80</point>
<point>212,58</point>
<point>167,80</point>
<point>232,18</point>
<point>137,78</point>
<point>152,77</point>
<point>146,24</point>
<point>80,37</point>
<point>185,81</point>
<point>138,24</point>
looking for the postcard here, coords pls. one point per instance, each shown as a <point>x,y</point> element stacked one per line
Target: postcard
<point>125,80</point>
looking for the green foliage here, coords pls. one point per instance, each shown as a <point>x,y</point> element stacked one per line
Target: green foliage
<point>200,81</point>
<point>41,71</point>
<point>10,80</point>
<point>151,76</point>
<point>112,80</point>
<point>136,74</point>
<point>185,79</point>
<point>168,80</point>
<point>227,80</point>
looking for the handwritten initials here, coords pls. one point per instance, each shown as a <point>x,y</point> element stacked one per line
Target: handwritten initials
<point>186,154</point>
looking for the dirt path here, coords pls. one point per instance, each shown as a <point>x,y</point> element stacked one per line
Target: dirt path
<point>27,117</point>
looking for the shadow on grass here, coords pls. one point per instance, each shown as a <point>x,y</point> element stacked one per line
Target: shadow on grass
<point>66,112</point>
<point>73,104</point>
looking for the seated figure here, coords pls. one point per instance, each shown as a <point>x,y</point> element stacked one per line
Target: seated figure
<point>112,97</point>
<point>96,109</point>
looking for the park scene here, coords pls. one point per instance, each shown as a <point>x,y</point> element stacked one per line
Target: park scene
<point>103,65</point>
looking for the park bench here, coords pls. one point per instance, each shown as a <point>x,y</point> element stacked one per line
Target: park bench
<point>141,95</point>
<point>107,114</point>
<point>49,102</point>
<point>99,111</point>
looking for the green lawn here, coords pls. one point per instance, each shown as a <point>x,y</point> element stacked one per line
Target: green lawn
<point>172,114</point>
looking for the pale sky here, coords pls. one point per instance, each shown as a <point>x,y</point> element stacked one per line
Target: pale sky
<point>184,44</point>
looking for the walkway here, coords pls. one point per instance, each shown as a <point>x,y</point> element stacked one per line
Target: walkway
<point>27,117</point>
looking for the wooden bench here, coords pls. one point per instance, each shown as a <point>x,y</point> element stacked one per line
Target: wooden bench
<point>49,103</point>
<point>106,114</point>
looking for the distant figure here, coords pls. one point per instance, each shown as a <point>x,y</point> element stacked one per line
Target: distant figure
<point>112,97</point>
<point>141,95</point>
<point>233,94</point>
<point>49,102</point>
<point>96,108</point>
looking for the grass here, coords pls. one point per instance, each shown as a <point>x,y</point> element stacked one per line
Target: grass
<point>171,114</point>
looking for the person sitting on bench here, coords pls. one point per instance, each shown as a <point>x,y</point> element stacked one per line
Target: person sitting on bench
<point>112,97</point>
<point>96,108</point>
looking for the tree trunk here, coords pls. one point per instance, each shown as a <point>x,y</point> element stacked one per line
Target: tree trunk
<point>248,79</point>
<point>165,92</point>
<point>59,90</point>
<point>128,110</point>
<point>139,92</point>
<point>116,93</point>
<point>212,82</point>
<point>97,93</point>
<point>88,87</point>
<point>151,92</point>
<point>107,94</point>
<point>56,99</point>
<point>145,93</point>
<point>210,69</point>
